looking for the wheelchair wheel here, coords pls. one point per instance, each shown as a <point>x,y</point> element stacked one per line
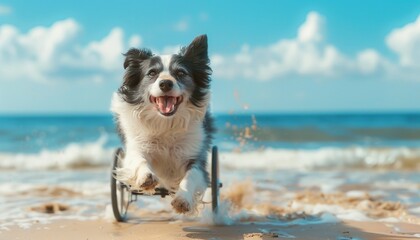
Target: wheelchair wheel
<point>215,179</point>
<point>120,194</point>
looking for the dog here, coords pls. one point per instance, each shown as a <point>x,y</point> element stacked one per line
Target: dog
<point>162,115</point>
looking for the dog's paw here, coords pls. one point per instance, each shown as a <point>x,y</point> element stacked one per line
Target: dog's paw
<point>145,182</point>
<point>181,205</point>
<point>140,180</point>
<point>148,183</point>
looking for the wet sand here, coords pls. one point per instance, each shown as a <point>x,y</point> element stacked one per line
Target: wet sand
<point>164,229</point>
<point>248,218</point>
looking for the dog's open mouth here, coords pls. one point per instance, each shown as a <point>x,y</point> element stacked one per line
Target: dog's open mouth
<point>166,105</point>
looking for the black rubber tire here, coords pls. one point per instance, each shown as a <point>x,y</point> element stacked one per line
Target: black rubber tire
<point>120,201</point>
<point>215,179</point>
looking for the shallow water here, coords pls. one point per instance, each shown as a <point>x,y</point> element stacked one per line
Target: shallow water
<point>281,196</point>
<point>294,169</point>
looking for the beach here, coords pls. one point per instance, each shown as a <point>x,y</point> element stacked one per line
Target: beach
<point>319,182</point>
<point>346,206</point>
<point>247,211</point>
<point>165,230</point>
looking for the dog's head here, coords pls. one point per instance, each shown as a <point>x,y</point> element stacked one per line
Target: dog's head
<point>165,84</point>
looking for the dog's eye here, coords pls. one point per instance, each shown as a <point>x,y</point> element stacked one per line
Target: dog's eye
<point>152,73</point>
<point>181,73</point>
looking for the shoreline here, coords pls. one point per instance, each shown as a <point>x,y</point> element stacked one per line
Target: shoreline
<point>164,229</point>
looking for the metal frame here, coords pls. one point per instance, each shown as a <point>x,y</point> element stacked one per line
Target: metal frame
<point>120,205</point>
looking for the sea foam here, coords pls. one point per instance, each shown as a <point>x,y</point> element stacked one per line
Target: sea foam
<point>325,158</point>
<point>95,154</point>
<point>73,156</point>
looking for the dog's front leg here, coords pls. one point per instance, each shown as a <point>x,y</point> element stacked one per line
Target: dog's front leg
<point>191,189</point>
<point>135,171</point>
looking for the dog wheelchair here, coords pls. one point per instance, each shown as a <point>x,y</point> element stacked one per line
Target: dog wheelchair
<point>122,196</point>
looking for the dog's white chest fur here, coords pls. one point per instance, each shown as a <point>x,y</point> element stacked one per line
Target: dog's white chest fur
<point>169,153</point>
<point>168,145</point>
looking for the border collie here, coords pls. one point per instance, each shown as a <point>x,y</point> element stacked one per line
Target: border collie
<point>162,114</point>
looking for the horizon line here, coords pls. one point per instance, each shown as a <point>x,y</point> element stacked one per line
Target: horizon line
<point>329,112</point>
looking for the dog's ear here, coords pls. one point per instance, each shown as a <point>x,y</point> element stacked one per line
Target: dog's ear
<point>133,73</point>
<point>196,57</point>
<point>132,64</point>
<point>197,48</point>
<point>134,56</point>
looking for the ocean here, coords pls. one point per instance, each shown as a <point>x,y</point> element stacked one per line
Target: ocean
<point>65,160</point>
<point>394,138</point>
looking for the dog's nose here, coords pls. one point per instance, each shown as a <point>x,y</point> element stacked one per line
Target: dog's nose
<point>166,85</point>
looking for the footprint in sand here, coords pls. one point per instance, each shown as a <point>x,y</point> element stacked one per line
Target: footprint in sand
<point>50,208</point>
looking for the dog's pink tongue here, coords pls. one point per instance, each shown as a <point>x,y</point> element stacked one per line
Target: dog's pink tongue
<point>166,104</point>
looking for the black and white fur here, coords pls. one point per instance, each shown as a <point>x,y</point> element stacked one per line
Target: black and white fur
<point>162,114</point>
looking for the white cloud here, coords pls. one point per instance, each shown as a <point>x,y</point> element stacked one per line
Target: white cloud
<point>305,55</point>
<point>405,41</point>
<point>182,25</point>
<point>369,61</point>
<point>104,54</point>
<point>312,30</point>
<point>32,54</point>
<point>52,53</point>
<point>5,10</point>
<point>135,41</point>
<point>309,54</point>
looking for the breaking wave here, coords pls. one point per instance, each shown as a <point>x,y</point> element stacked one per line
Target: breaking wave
<point>326,158</point>
<point>73,156</point>
<point>95,155</point>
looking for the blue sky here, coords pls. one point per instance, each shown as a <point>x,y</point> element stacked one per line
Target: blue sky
<point>267,56</point>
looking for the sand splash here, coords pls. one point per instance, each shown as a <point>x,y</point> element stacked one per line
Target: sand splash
<point>240,204</point>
